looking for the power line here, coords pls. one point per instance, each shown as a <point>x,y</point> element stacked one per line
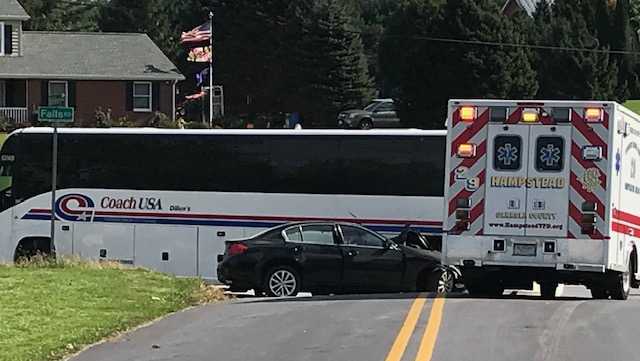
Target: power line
<point>513,45</point>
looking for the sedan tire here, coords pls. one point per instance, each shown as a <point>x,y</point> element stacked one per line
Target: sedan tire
<point>440,281</point>
<point>282,281</point>
<point>366,124</point>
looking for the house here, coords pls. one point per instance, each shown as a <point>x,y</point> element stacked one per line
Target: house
<point>513,6</point>
<point>126,73</point>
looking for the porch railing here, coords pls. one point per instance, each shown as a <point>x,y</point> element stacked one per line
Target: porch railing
<point>15,115</point>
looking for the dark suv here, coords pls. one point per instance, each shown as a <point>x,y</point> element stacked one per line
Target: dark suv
<point>330,257</point>
<point>381,113</point>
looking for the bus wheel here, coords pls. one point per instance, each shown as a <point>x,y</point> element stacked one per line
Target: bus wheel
<point>548,289</point>
<point>33,246</point>
<point>485,290</point>
<point>621,284</point>
<point>599,293</point>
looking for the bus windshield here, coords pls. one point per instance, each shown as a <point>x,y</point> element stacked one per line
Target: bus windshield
<point>7,159</point>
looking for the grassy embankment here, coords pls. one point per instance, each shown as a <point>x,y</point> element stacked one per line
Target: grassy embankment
<point>49,310</point>
<point>633,105</point>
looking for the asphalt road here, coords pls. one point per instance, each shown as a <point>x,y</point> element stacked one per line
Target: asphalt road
<point>390,328</point>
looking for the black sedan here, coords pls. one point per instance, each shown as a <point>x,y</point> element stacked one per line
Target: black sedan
<point>331,257</point>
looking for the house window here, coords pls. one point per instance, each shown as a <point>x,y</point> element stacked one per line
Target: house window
<point>142,97</point>
<point>58,93</point>
<point>1,38</point>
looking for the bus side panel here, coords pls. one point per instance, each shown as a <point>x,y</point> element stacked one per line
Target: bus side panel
<point>211,243</point>
<point>168,249</point>
<point>103,241</point>
<point>6,246</point>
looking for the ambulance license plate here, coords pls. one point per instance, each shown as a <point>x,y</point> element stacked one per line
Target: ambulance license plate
<point>528,250</point>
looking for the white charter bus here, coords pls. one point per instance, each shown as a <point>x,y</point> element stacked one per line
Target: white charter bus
<point>168,199</point>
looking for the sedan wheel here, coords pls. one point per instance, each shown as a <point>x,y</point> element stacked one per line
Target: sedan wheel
<point>446,283</point>
<point>282,282</point>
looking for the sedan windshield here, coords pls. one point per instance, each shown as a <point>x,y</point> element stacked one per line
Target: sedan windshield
<point>371,107</point>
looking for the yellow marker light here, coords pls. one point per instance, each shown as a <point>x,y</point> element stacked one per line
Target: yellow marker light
<point>466,150</point>
<point>530,115</point>
<point>593,115</point>
<point>468,114</point>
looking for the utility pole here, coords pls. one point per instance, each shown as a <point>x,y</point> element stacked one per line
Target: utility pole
<point>211,72</point>
<point>54,181</point>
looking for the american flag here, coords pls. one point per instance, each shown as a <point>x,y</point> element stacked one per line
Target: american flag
<point>198,35</point>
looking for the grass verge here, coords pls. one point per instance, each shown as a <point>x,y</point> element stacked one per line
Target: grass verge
<point>633,105</point>
<point>51,309</point>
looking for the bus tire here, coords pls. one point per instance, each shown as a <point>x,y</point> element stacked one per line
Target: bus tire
<point>548,290</point>
<point>599,293</point>
<point>33,246</point>
<point>485,290</point>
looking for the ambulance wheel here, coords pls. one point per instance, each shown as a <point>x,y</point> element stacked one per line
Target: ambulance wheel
<point>621,284</point>
<point>548,289</point>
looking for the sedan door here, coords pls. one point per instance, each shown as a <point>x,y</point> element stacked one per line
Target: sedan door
<point>316,251</point>
<point>369,265</point>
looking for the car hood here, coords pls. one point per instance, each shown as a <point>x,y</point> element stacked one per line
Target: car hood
<point>421,253</point>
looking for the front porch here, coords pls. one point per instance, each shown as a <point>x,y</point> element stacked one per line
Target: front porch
<point>13,101</point>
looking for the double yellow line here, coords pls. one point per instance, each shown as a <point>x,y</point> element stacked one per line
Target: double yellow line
<point>428,342</point>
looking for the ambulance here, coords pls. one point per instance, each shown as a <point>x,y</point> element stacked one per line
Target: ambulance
<point>543,191</point>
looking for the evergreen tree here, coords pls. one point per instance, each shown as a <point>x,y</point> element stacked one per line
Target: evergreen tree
<point>624,38</point>
<point>57,15</point>
<point>434,72</point>
<point>140,16</point>
<point>334,73</point>
<point>575,74</point>
<point>374,17</point>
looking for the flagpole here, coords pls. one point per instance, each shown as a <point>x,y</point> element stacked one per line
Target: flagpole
<point>211,72</point>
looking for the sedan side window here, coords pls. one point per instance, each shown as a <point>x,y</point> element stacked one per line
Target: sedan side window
<point>360,237</point>
<point>385,107</point>
<point>318,234</point>
<point>293,234</point>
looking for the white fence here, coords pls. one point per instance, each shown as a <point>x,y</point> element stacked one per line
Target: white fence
<point>16,115</point>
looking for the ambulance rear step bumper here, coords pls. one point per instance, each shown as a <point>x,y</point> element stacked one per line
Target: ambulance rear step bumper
<point>519,277</point>
<point>583,267</point>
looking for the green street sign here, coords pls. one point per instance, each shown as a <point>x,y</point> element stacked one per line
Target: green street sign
<point>55,114</point>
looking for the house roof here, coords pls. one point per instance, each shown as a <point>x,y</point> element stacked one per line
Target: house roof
<point>11,9</point>
<point>88,56</point>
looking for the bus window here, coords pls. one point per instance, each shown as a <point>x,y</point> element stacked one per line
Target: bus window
<point>7,159</point>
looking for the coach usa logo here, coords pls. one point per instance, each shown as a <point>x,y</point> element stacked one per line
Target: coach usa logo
<point>80,208</point>
<point>75,208</point>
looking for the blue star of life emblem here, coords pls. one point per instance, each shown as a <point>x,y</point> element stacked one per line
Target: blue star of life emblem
<point>550,155</point>
<point>507,154</point>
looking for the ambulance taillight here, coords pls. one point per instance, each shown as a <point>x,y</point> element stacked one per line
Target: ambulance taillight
<point>466,150</point>
<point>593,115</point>
<point>468,114</point>
<point>592,153</point>
<point>463,214</point>
<point>530,115</point>
<point>588,219</point>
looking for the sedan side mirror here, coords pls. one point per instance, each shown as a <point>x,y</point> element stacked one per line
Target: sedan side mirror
<point>388,244</point>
